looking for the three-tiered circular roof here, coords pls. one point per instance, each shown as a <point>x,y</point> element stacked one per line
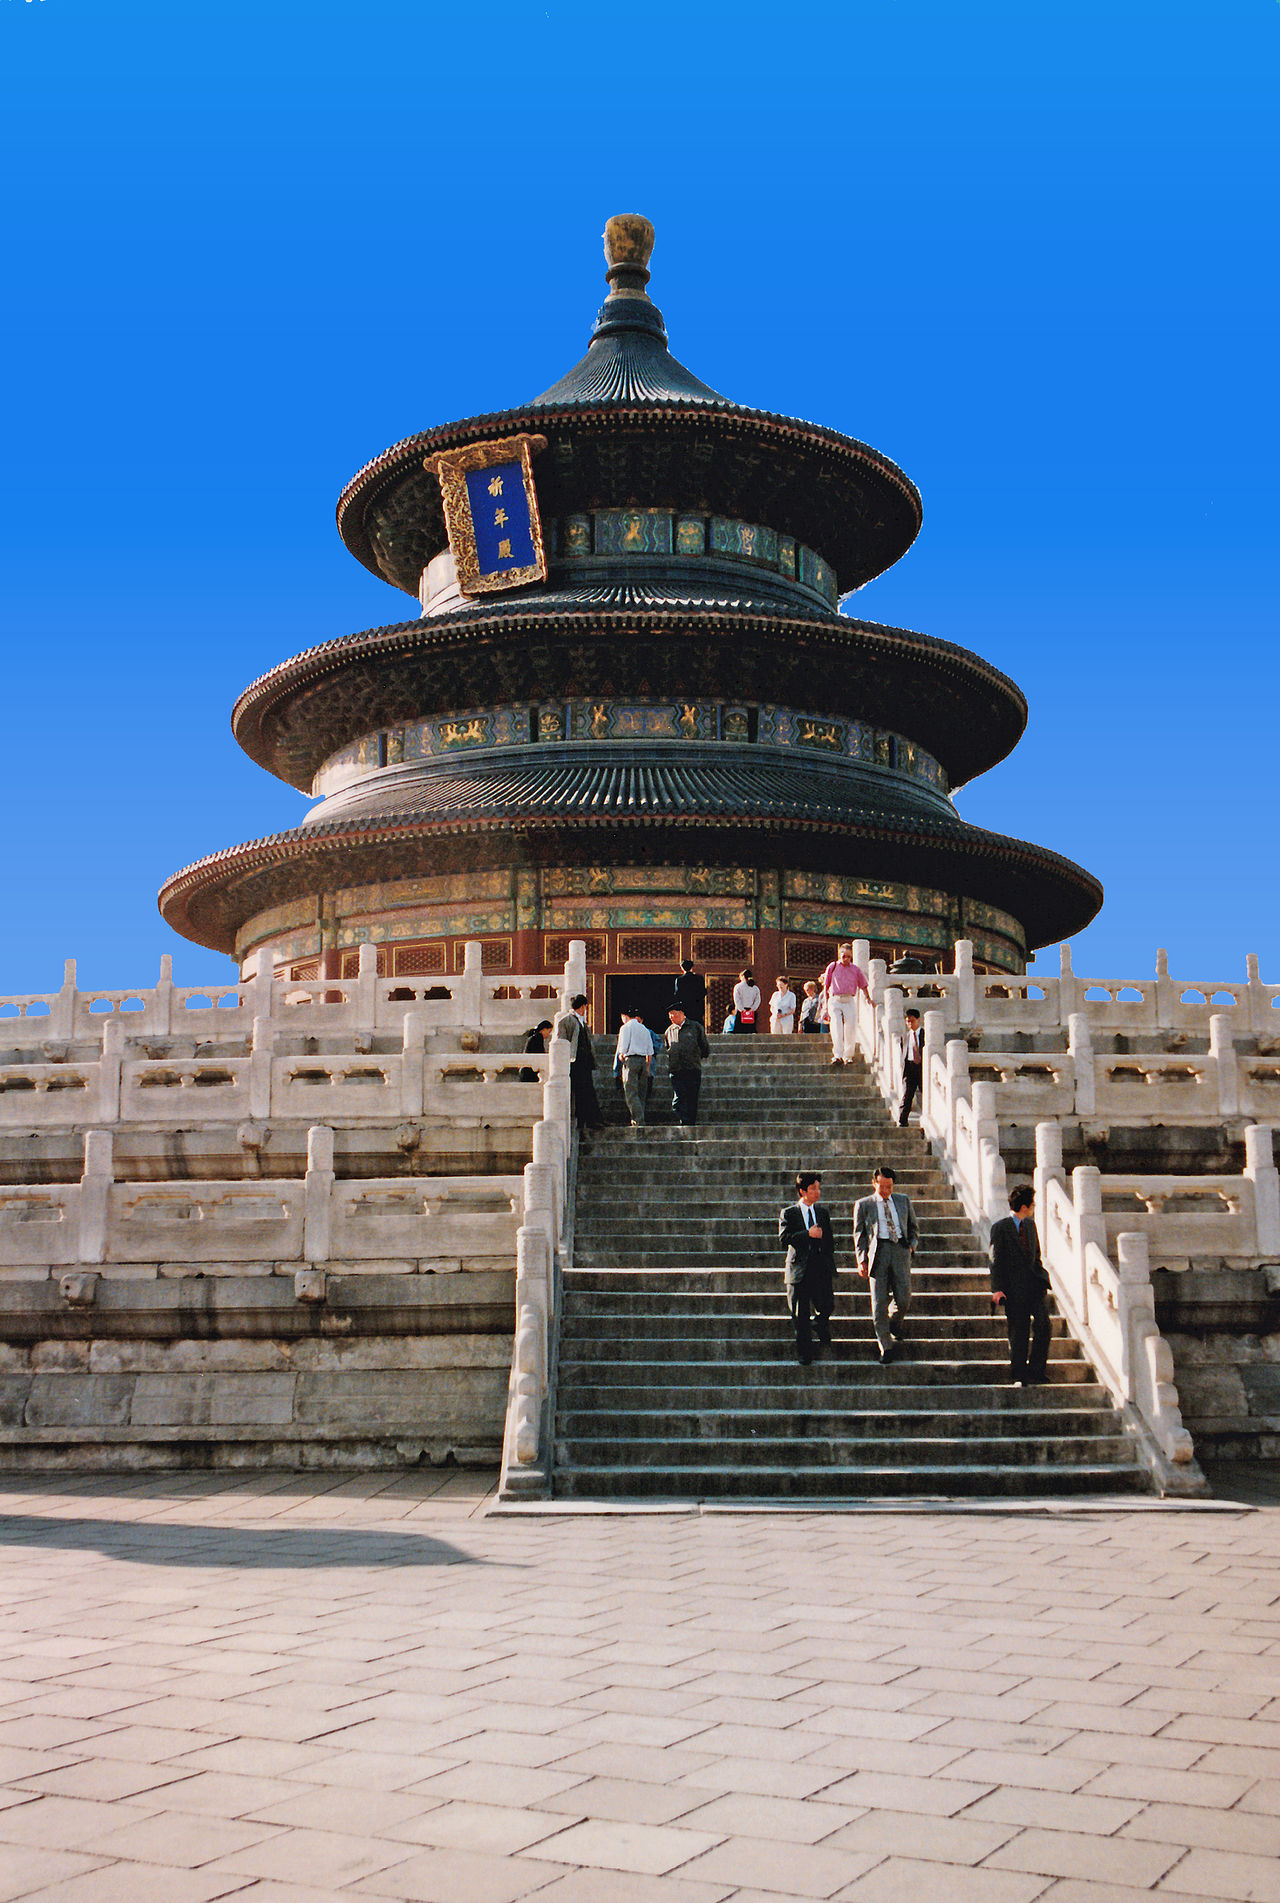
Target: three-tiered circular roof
<point>629,427</point>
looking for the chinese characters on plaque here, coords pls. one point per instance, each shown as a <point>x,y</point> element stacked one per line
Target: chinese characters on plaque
<point>491,513</point>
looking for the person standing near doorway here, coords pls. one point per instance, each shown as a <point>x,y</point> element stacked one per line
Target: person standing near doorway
<point>746,1001</point>
<point>782,1009</point>
<point>690,992</point>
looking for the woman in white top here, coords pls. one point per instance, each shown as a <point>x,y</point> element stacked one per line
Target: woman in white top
<point>746,1001</point>
<point>782,1009</point>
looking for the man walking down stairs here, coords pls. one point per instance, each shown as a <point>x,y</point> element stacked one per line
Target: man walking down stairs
<point>677,1370</point>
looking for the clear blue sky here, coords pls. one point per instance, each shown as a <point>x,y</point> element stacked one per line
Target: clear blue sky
<point>1027,249</point>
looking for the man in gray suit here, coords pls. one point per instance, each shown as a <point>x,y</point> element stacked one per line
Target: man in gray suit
<point>884,1237</point>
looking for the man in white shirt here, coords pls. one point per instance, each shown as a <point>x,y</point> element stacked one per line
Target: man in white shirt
<point>885,1235</point>
<point>841,982</point>
<point>635,1053</point>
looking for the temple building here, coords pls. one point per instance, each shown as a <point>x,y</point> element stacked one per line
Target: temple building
<point>637,717</point>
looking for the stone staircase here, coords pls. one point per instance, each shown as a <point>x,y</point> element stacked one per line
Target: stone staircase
<point>677,1371</point>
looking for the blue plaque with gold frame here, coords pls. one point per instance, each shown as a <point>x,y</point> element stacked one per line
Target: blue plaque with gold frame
<point>491,513</point>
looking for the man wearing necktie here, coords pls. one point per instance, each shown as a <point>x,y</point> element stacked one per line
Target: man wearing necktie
<point>885,1234</point>
<point>1020,1281</point>
<point>805,1228</point>
<point>912,1065</point>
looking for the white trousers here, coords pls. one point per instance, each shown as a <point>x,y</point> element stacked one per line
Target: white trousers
<point>844,1022</point>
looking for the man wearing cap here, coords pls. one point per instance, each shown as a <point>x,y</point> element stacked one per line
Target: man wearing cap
<point>686,1047</point>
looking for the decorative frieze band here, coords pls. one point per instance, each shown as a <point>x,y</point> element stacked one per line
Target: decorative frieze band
<point>737,723</point>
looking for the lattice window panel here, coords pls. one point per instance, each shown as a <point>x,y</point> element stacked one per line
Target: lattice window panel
<point>351,964</point>
<point>309,968</point>
<point>555,949</point>
<point>719,1002</point>
<point>809,954</point>
<point>418,961</point>
<point>721,948</point>
<point>636,950</point>
<point>495,954</point>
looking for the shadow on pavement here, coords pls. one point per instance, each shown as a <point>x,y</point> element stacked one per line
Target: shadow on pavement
<point>1252,1484</point>
<point>281,1549</point>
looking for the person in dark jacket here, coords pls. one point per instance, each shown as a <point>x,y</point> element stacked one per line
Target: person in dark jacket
<point>1019,1281</point>
<point>536,1045</point>
<point>804,1226</point>
<point>686,1047</point>
<point>690,992</point>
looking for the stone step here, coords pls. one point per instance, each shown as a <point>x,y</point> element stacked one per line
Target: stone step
<point>803,1452</point>
<point>836,1386</point>
<point>727,1281</point>
<point>726,1310</point>
<point>796,1385</point>
<point>829,1424</point>
<point>876,1482</point>
<point>750,1343</point>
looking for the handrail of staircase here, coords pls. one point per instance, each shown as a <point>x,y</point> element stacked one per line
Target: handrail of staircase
<point>544,1246</point>
<point>1109,1307</point>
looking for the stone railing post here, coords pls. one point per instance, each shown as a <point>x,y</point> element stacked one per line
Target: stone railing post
<point>1147,1373</point>
<point>1070,990</point>
<point>259,984</point>
<point>555,1092</point>
<point>1166,994</point>
<point>1260,1168</point>
<point>1222,1049</point>
<point>1090,1225</point>
<point>160,1017</point>
<point>893,1029</point>
<point>413,1037</point>
<point>966,983</point>
<point>1048,1170</point>
<point>540,1202</point>
<point>862,959</point>
<point>549,1153</point>
<point>469,996</point>
<point>575,972</point>
<point>935,1039</point>
<point>1261,1012</point>
<point>62,1017</point>
<point>95,1195</point>
<point>1080,1047</point>
<point>993,1184</point>
<point>109,1069</point>
<point>366,1016</point>
<point>957,1085</point>
<point>317,1209</point>
<point>530,1356</point>
<point>261,1051</point>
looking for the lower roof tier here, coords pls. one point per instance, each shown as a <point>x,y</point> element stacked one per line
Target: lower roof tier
<point>668,808</point>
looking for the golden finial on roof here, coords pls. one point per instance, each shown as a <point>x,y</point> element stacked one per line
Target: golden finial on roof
<point>628,246</point>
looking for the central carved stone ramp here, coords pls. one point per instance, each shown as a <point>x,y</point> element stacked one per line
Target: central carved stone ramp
<point>678,1378</point>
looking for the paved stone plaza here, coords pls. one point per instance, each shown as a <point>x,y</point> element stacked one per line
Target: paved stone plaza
<point>289,1688</point>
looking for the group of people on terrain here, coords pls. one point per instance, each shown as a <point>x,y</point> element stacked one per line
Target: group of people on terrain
<point>885,1230</point>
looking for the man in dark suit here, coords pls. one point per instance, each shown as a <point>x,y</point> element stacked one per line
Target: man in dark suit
<point>912,1065</point>
<point>689,993</point>
<point>1019,1280</point>
<point>804,1226</point>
